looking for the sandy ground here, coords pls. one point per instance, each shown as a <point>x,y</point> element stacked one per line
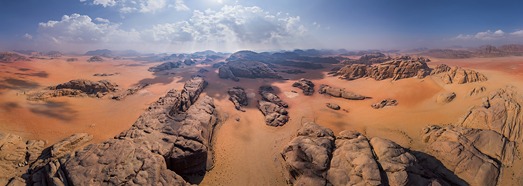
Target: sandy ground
<point>247,151</point>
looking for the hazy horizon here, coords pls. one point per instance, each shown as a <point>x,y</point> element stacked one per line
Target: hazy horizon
<point>226,26</point>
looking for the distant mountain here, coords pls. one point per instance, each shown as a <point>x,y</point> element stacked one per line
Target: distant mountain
<point>482,51</point>
<point>110,53</point>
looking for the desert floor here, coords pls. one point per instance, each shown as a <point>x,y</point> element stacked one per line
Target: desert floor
<point>247,151</point>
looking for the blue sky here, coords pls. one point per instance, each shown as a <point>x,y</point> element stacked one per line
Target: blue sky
<point>229,25</point>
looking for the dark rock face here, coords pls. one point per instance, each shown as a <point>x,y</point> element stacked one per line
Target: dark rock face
<point>398,68</point>
<point>246,69</point>
<point>272,107</point>
<point>333,106</point>
<point>316,157</point>
<point>445,97</point>
<point>203,71</point>
<point>385,103</point>
<point>238,97</point>
<point>189,62</point>
<point>472,154</point>
<point>95,59</point>
<point>130,91</point>
<point>340,93</point>
<point>293,71</point>
<point>218,65</point>
<point>306,85</point>
<point>172,138</point>
<point>8,57</point>
<point>165,66</point>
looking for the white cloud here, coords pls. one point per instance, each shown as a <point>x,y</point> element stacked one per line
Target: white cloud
<point>27,36</point>
<point>518,33</point>
<point>486,35</point>
<point>142,6</point>
<point>179,5</point>
<point>230,28</point>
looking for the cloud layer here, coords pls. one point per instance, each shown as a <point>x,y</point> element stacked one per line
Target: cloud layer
<point>230,28</point>
<point>489,35</point>
<point>141,6</point>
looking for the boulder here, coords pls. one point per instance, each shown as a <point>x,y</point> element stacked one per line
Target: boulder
<point>385,103</point>
<point>333,106</point>
<point>446,97</point>
<point>238,97</point>
<point>340,93</point>
<point>305,85</point>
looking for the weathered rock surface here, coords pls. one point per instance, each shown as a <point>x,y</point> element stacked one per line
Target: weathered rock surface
<point>165,66</point>
<point>246,69</point>
<point>446,97</point>
<point>272,107</point>
<point>385,103</point>
<point>173,137</point>
<point>458,75</point>
<point>501,111</point>
<point>472,154</point>
<point>95,59</point>
<point>399,68</point>
<point>14,155</point>
<point>340,93</point>
<point>238,97</point>
<point>130,91</point>
<point>306,85</point>
<point>307,156</point>
<point>314,157</point>
<point>477,90</point>
<point>78,87</point>
<point>333,106</point>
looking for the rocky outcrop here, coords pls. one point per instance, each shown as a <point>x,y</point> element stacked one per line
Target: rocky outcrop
<point>189,62</point>
<point>165,66</point>
<point>247,69</point>
<point>340,93</point>
<point>130,91</point>
<point>272,107</point>
<point>95,59</point>
<point>314,157</point>
<point>333,106</point>
<point>458,75</point>
<point>15,155</point>
<point>307,156</point>
<point>384,103</point>
<point>218,65</point>
<point>105,74</point>
<point>8,57</point>
<point>474,155</point>
<point>306,85</point>
<point>501,111</point>
<point>73,88</point>
<point>477,90</point>
<point>172,138</point>
<point>446,97</point>
<point>399,68</point>
<point>238,97</point>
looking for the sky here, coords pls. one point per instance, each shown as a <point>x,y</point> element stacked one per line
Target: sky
<point>260,25</point>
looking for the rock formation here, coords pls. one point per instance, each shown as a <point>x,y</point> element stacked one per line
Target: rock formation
<point>130,91</point>
<point>293,71</point>
<point>316,157</point>
<point>95,59</point>
<point>307,156</point>
<point>247,69</point>
<point>477,90</point>
<point>272,107</point>
<point>306,85</point>
<point>15,155</point>
<point>385,103</point>
<point>218,65</point>
<point>458,75</point>
<point>238,97</point>
<point>8,57</point>
<point>172,138</point>
<point>399,68</point>
<point>165,66</point>
<point>340,93</point>
<point>474,155</point>
<point>333,106</point>
<point>445,97</point>
<point>78,87</point>
<point>189,62</point>
<point>501,111</point>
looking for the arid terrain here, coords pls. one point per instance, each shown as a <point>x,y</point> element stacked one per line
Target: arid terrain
<point>276,137</point>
